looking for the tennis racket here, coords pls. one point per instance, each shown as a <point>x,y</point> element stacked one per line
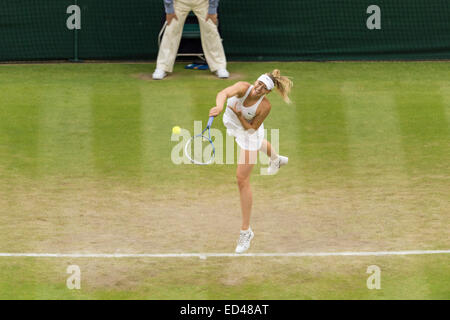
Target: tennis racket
<point>200,149</point>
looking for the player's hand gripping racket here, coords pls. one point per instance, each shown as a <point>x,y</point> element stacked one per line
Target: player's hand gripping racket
<point>200,148</point>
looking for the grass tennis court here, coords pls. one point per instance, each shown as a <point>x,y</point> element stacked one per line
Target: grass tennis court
<point>85,167</point>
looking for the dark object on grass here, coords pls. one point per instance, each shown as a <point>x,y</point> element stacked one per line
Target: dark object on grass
<point>196,66</point>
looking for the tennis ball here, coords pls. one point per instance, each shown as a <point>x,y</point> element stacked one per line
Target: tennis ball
<point>176,130</point>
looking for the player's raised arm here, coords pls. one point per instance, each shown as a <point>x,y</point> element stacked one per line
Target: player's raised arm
<point>238,89</point>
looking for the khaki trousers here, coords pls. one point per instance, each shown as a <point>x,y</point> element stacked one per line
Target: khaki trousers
<point>211,42</point>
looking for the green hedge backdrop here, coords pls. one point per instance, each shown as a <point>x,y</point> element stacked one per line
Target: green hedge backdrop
<point>251,29</point>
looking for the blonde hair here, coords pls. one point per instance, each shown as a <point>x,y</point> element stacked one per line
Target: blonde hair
<point>282,83</point>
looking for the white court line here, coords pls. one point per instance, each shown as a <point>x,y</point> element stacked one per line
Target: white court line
<point>213,255</point>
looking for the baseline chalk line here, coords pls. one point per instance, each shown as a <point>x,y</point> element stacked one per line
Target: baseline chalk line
<point>218,255</point>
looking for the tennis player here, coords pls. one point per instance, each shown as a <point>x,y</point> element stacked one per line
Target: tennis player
<point>247,108</point>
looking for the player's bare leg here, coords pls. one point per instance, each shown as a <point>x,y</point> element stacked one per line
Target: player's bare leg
<point>245,166</point>
<point>246,163</point>
<point>266,147</point>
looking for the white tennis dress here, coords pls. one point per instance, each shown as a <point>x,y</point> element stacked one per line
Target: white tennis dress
<point>246,139</point>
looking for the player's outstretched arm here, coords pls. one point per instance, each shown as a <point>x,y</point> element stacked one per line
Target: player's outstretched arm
<point>238,89</point>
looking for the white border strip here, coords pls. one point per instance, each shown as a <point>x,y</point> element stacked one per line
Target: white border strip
<point>214,255</point>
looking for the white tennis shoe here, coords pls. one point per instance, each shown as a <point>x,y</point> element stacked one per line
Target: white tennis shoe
<point>244,240</point>
<point>222,73</point>
<point>158,74</point>
<point>275,165</point>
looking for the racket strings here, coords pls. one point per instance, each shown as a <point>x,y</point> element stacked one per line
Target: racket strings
<point>200,150</point>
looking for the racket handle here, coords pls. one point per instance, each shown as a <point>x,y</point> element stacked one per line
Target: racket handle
<point>210,121</point>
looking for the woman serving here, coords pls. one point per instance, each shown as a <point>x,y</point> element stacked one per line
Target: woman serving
<point>247,108</point>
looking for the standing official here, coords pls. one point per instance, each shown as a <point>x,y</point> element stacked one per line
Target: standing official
<point>176,13</point>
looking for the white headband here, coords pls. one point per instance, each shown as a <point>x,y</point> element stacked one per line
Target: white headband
<point>264,78</point>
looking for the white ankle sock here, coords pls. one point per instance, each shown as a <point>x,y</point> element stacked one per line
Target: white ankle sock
<point>274,157</point>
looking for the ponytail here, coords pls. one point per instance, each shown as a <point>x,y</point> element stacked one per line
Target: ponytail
<point>282,83</point>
